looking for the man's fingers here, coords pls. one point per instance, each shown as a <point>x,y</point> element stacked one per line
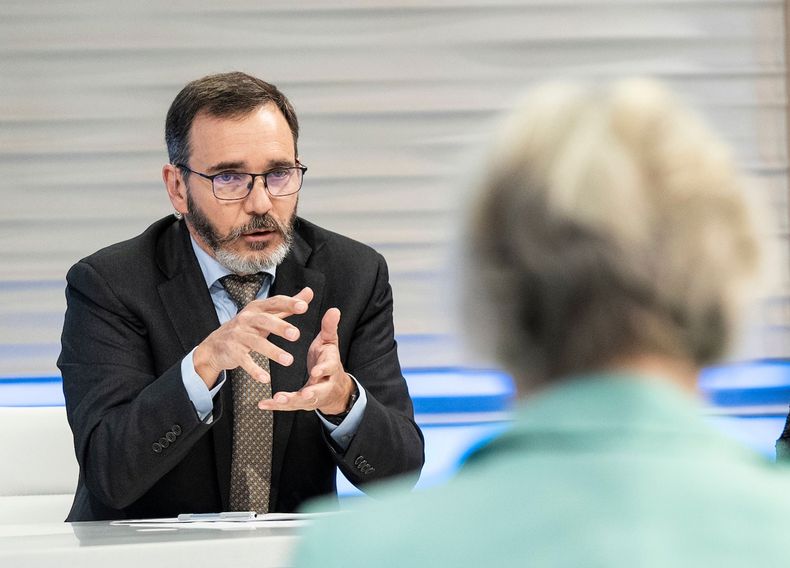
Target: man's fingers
<point>255,371</point>
<point>279,306</point>
<point>254,342</point>
<point>264,324</point>
<point>305,294</point>
<point>227,346</point>
<point>329,325</point>
<point>283,306</point>
<point>328,363</point>
<point>309,397</point>
<point>300,302</point>
<point>305,399</point>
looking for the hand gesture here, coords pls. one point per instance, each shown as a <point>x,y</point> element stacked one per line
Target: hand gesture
<point>328,386</point>
<point>230,344</point>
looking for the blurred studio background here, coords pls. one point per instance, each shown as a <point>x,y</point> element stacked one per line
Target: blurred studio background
<point>395,97</point>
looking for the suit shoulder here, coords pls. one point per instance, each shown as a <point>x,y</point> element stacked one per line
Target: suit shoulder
<point>131,258</point>
<point>326,243</point>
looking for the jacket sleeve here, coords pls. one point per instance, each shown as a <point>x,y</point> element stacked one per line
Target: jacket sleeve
<point>130,426</point>
<point>783,444</point>
<point>388,442</point>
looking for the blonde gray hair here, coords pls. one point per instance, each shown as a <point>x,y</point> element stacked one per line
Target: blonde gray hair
<point>611,223</point>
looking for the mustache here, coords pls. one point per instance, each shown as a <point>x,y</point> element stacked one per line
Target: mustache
<point>258,223</point>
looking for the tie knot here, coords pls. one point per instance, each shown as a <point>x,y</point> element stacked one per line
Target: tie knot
<point>243,289</point>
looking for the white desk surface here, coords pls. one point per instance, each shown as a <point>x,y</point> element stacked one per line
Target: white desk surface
<point>119,544</point>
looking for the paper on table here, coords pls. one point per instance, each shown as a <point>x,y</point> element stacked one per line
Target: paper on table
<point>267,519</point>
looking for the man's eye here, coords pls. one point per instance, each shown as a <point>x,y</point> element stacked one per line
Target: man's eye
<point>279,174</point>
<point>228,178</point>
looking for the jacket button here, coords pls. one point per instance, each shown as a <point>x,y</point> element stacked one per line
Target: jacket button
<point>176,429</point>
<point>157,447</point>
<point>171,436</point>
<point>163,442</point>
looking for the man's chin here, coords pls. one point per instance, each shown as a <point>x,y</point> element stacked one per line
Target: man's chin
<point>254,258</point>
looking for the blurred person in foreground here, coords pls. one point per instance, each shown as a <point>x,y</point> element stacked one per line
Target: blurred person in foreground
<point>232,356</point>
<point>610,251</point>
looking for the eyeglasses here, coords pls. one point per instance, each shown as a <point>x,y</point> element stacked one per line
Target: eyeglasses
<point>232,186</point>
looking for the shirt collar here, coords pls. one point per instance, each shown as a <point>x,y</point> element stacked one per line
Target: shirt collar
<point>613,399</point>
<point>213,270</point>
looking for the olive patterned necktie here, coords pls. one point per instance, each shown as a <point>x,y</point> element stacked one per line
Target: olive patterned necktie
<point>253,428</point>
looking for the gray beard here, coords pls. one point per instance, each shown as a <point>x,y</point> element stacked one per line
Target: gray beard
<point>254,262</point>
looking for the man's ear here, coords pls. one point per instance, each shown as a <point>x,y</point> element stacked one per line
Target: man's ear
<point>176,189</point>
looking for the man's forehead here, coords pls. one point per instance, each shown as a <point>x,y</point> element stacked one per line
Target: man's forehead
<point>214,139</point>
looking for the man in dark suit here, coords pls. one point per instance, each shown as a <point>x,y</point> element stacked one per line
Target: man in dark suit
<point>230,357</point>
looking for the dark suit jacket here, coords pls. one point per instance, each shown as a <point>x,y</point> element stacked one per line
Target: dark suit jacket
<point>783,443</point>
<point>135,309</point>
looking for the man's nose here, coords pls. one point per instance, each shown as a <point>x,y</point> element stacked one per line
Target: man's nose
<point>258,201</point>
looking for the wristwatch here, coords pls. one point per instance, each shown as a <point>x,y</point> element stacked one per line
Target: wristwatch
<point>336,419</point>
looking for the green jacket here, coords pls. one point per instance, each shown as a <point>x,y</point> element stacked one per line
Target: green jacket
<point>602,470</point>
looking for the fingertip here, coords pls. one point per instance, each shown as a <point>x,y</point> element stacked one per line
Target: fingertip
<point>331,317</point>
<point>305,294</point>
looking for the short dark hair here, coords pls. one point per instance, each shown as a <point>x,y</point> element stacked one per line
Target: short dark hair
<point>224,95</point>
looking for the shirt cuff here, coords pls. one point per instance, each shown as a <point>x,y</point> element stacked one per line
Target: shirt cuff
<point>202,398</point>
<point>343,433</point>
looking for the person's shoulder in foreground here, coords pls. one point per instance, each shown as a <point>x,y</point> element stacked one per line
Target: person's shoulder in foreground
<point>609,253</point>
<point>604,471</point>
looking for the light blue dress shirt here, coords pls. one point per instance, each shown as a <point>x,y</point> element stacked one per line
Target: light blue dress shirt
<point>199,393</point>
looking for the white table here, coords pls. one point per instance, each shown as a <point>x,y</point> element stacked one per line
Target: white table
<point>261,544</point>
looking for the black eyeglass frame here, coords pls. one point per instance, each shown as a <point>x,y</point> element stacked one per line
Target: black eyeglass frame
<point>299,166</point>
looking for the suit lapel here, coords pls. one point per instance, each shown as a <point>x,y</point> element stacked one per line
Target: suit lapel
<point>185,296</point>
<point>189,306</point>
<point>292,276</point>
